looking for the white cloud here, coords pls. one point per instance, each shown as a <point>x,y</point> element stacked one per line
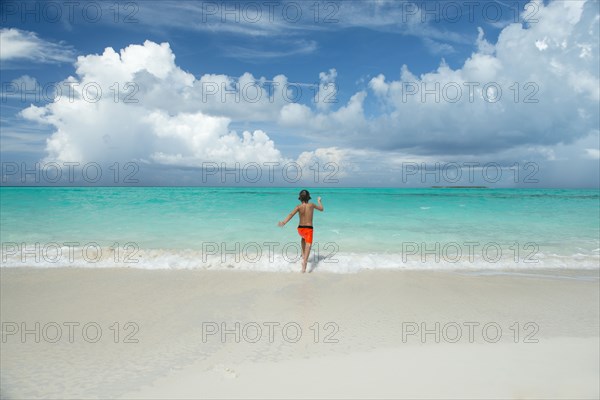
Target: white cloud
<point>332,161</point>
<point>191,139</point>
<point>137,104</point>
<point>295,114</point>
<point>483,46</point>
<point>16,44</point>
<point>254,20</point>
<point>541,44</point>
<point>327,93</point>
<point>167,125</point>
<point>531,97</point>
<point>283,22</point>
<point>288,48</point>
<point>437,47</point>
<point>404,17</point>
<point>593,153</point>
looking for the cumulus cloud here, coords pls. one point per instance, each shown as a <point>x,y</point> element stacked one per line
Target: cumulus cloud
<point>196,138</point>
<point>104,120</point>
<point>137,104</point>
<point>16,44</point>
<point>332,162</point>
<point>516,92</point>
<point>327,93</point>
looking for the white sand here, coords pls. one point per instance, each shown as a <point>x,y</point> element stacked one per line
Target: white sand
<point>370,359</point>
<point>545,370</point>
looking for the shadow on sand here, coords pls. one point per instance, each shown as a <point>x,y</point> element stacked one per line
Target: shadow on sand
<point>315,263</point>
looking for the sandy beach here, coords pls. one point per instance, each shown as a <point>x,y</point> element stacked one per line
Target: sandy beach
<point>128,333</point>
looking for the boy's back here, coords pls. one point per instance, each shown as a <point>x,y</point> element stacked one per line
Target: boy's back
<point>306,211</point>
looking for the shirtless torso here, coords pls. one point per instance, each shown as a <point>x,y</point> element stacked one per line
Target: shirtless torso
<point>306,211</point>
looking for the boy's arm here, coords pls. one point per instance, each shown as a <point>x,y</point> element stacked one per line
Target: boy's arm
<point>285,221</point>
<point>320,205</point>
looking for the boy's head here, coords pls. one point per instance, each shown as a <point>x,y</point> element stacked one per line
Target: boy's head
<point>304,196</point>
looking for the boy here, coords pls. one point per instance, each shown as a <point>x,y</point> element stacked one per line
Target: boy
<point>305,228</point>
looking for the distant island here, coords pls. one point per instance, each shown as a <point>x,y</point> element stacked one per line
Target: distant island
<point>459,187</point>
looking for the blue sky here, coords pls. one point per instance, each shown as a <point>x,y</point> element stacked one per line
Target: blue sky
<point>373,58</point>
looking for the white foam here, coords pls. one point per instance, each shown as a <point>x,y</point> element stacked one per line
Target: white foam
<point>325,261</point>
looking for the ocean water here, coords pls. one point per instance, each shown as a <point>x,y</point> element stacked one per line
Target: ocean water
<point>236,228</point>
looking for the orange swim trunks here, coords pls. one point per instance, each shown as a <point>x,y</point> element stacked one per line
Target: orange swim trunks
<point>306,232</point>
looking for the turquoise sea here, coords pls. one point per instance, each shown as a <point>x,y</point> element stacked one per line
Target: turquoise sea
<point>236,228</point>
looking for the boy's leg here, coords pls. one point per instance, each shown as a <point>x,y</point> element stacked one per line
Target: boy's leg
<point>303,246</point>
<point>305,254</point>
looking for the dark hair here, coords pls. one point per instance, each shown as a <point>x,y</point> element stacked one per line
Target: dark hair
<point>304,196</point>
